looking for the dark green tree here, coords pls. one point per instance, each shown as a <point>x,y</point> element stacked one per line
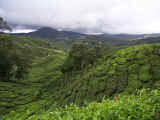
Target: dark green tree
<point>81,56</point>
<point>14,60</point>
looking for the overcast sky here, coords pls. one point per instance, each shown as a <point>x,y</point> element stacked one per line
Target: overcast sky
<point>92,16</point>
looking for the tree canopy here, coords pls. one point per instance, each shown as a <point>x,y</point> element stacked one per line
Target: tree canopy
<point>14,60</point>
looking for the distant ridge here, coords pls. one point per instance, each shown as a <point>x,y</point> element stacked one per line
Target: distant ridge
<point>70,37</point>
<point>47,32</point>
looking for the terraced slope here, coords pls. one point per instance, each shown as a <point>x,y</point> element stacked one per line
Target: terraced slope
<point>145,105</point>
<point>46,59</point>
<point>125,71</point>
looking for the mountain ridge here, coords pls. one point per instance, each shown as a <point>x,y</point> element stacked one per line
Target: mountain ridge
<point>47,32</point>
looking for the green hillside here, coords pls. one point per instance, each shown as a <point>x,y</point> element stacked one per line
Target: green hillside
<point>69,37</point>
<point>143,106</point>
<point>45,57</point>
<point>86,74</point>
<point>124,70</point>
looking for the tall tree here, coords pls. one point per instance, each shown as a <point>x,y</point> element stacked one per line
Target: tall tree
<point>82,56</point>
<point>15,61</point>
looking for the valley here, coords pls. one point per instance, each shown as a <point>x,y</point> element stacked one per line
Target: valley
<point>85,74</point>
<point>63,75</point>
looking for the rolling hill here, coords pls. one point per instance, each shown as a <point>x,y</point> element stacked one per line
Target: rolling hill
<point>69,37</point>
<point>148,40</point>
<point>120,71</point>
<point>85,74</point>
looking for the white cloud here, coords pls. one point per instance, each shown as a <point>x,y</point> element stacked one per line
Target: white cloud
<point>20,31</point>
<point>109,16</point>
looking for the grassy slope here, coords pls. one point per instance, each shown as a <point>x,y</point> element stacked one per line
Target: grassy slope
<point>39,47</point>
<point>143,106</point>
<point>28,96</point>
<point>47,59</point>
<point>126,70</point>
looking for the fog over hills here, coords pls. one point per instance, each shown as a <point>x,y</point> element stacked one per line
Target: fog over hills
<point>37,31</point>
<point>87,16</point>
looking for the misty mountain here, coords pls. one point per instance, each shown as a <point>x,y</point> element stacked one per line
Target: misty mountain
<point>70,37</point>
<point>131,36</point>
<point>46,32</point>
<point>148,40</point>
<point>124,36</point>
<point>51,33</point>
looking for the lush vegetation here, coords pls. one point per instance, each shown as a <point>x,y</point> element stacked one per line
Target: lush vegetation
<point>14,60</point>
<point>95,81</point>
<point>42,56</point>
<point>145,105</point>
<point>86,78</point>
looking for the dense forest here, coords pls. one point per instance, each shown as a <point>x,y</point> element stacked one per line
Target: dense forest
<point>42,79</point>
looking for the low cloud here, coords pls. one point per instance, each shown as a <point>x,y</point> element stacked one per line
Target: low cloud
<point>90,16</point>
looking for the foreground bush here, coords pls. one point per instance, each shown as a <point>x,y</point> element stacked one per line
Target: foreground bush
<point>143,106</point>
